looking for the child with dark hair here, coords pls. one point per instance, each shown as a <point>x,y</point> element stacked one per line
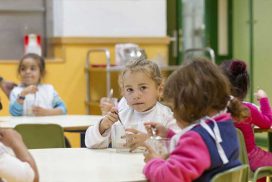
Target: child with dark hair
<point>237,73</point>
<point>199,95</point>
<point>32,97</point>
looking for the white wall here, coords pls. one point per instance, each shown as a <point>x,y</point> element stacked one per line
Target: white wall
<point>110,18</point>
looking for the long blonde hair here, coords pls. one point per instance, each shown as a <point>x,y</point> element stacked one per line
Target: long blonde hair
<point>150,68</point>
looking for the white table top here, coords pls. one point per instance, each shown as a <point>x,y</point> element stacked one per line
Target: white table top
<point>68,122</point>
<point>82,164</point>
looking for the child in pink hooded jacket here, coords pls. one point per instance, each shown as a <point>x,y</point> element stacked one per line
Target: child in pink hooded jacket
<point>199,95</point>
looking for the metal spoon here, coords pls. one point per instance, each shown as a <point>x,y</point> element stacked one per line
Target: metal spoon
<point>119,117</point>
<point>111,93</point>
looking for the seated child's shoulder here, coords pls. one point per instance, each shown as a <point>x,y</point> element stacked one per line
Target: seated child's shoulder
<point>163,107</point>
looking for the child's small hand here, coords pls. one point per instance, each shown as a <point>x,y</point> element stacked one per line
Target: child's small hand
<point>39,111</point>
<point>106,103</point>
<point>260,94</point>
<point>135,138</point>
<point>150,153</point>
<point>105,106</point>
<point>160,129</point>
<point>30,89</point>
<point>108,120</point>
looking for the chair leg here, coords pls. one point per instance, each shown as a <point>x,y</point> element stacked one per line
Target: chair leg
<point>67,143</point>
<point>269,141</point>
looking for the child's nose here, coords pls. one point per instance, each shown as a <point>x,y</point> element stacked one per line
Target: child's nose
<point>136,95</point>
<point>28,70</point>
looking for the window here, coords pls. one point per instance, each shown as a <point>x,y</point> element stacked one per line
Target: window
<point>21,17</point>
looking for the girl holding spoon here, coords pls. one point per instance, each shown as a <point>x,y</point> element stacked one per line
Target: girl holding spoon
<point>141,86</point>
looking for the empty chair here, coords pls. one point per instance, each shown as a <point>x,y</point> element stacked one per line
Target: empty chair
<point>236,174</point>
<point>38,136</point>
<point>261,171</point>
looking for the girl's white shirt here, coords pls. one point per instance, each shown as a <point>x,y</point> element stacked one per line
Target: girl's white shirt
<point>159,113</point>
<point>43,97</point>
<point>12,169</point>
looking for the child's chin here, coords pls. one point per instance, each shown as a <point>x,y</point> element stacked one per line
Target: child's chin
<point>140,109</point>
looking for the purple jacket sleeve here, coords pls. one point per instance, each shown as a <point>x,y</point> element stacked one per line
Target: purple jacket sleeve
<point>187,162</point>
<point>263,118</point>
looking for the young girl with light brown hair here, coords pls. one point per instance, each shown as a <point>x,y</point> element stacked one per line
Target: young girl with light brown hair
<point>199,95</point>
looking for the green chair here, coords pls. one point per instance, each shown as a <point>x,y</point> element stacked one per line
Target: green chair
<point>38,136</point>
<point>236,174</point>
<point>261,171</point>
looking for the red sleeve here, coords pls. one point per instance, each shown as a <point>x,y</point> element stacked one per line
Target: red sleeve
<point>187,162</point>
<point>262,118</point>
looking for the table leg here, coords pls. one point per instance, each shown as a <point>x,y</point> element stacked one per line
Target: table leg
<point>82,140</point>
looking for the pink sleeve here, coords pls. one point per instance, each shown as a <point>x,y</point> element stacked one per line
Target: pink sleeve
<point>186,163</point>
<point>263,118</point>
<point>170,133</point>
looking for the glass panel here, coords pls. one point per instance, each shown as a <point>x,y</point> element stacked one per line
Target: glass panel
<point>223,27</point>
<point>19,18</point>
<point>193,24</point>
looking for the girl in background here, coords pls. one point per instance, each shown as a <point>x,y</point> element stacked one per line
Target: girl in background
<point>140,83</point>
<point>199,95</point>
<point>237,73</point>
<point>32,97</point>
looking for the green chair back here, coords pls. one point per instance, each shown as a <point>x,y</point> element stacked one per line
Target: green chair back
<point>265,171</point>
<point>242,152</point>
<point>38,136</point>
<point>237,174</point>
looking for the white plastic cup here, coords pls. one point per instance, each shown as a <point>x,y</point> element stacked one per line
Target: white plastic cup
<point>160,146</point>
<point>129,135</point>
<point>119,138</point>
<point>28,107</point>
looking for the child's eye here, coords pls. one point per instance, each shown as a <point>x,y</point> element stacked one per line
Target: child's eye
<point>129,90</point>
<point>143,88</point>
<point>33,68</point>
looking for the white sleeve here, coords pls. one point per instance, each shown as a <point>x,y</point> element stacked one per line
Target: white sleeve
<point>93,138</point>
<point>12,169</point>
